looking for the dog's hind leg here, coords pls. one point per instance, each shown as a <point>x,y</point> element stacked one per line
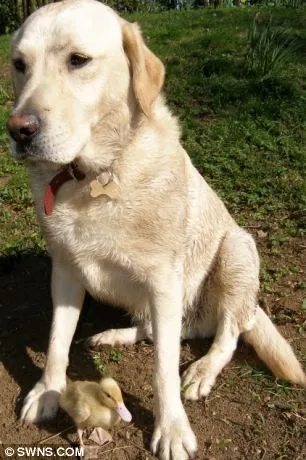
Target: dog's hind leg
<point>232,292</point>
<point>123,336</point>
<point>200,376</point>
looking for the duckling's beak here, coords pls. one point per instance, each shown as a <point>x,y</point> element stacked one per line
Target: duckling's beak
<point>124,413</point>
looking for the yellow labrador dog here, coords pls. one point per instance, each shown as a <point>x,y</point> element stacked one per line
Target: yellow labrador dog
<point>126,215</point>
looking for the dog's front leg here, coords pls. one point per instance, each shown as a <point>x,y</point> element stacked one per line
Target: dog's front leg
<point>67,296</point>
<point>173,437</point>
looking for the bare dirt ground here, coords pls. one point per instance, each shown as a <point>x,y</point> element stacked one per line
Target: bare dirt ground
<point>248,415</point>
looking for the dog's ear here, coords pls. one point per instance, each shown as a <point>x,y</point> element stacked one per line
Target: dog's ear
<point>147,70</point>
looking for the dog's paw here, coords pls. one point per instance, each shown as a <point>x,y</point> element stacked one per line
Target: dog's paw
<point>40,404</point>
<point>110,337</point>
<point>174,439</point>
<point>198,380</point>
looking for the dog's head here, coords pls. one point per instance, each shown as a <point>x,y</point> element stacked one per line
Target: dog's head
<point>76,65</point>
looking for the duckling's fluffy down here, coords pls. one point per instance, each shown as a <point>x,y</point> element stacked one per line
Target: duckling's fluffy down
<point>88,406</point>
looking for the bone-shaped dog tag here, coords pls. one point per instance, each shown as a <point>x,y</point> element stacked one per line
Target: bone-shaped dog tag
<point>97,189</point>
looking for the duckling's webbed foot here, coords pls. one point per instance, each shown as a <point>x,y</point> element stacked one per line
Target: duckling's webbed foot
<point>124,336</point>
<point>100,436</point>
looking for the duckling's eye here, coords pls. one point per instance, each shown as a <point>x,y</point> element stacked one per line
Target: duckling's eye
<point>108,395</point>
<point>19,65</point>
<point>78,60</point>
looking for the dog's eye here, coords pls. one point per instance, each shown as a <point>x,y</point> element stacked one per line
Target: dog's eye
<point>19,65</point>
<point>79,60</point>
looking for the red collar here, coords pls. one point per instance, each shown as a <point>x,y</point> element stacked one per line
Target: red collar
<point>71,172</point>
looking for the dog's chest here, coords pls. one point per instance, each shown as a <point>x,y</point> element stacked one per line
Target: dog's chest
<point>95,242</point>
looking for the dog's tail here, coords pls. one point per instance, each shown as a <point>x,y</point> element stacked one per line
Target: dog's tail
<point>274,350</point>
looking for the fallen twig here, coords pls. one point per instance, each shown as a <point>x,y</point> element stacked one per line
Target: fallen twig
<point>298,416</point>
<point>55,435</point>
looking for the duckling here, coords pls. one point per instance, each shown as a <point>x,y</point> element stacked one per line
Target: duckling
<point>93,404</point>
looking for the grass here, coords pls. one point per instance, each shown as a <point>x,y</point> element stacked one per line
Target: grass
<point>269,48</point>
<point>263,381</point>
<point>269,276</point>
<point>99,364</point>
<point>245,134</point>
<point>19,230</point>
<point>115,356</point>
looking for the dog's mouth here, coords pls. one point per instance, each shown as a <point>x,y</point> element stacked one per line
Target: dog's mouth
<point>32,156</point>
<point>25,152</point>
<point>35,154</point>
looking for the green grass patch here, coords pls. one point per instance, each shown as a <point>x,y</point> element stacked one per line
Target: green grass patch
<point>99,364</point>
<point>245,133</point>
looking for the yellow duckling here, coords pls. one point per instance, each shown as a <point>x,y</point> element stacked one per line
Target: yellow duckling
<point>93,404</point>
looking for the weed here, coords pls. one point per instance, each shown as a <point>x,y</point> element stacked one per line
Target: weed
<point>267,280</point>
<point>302,329</point>
<point>115,356</point>
<point>223,443</point>
<point>301,285</point>
<point>264,381</point>
<point>278,240</point>
<point>269,48</point>
<point>100,366</point>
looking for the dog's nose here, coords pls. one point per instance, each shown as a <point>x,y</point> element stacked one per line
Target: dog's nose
<point>23,128</point>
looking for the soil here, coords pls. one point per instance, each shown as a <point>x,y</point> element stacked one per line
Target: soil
<point>248,415</point>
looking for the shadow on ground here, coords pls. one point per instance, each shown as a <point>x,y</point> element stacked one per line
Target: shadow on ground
<point>25,316</point>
